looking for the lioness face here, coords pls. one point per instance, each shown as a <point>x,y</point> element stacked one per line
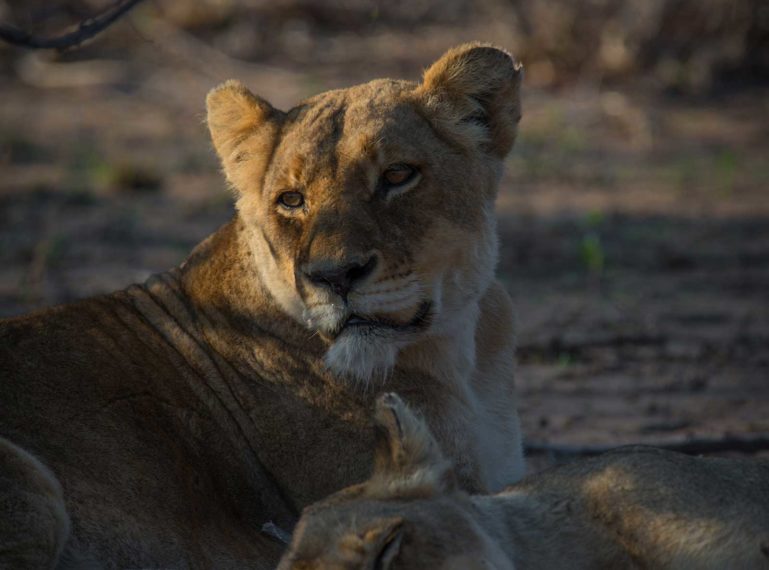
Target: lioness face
<point>370,209</point>
<point>368,535</point>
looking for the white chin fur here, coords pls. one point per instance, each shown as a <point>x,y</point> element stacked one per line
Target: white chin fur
<point>362,357</point>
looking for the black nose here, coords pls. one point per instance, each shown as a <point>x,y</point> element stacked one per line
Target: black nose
<point>342,278</point>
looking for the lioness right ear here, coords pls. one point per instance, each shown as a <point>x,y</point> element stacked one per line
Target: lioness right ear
<point>474,91</point>
<point>243,128</point>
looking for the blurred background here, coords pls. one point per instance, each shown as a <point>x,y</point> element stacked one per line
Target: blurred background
<point>634,211</point>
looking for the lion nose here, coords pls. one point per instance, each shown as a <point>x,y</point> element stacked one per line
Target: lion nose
<point>341,279</point>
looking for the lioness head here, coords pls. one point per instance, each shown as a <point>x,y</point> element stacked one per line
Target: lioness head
<point>409,515</point>
<point>370,209</point>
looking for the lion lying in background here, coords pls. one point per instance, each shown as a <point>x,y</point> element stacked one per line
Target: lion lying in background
<point>181,415</point>
<point>635,507</point>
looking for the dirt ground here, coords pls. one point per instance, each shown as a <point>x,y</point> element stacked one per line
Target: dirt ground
<point>634,225</point>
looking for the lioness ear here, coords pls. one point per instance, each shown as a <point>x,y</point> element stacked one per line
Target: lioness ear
<point>373,544</point>
<point>382,542</point>
<point>407,460</point>
<point>474,90</point>
<point>243,128</point>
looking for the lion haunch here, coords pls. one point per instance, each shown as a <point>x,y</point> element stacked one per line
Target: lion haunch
<point>180,415</point>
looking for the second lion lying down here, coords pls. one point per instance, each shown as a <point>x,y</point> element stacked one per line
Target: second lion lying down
<point>636,507</point>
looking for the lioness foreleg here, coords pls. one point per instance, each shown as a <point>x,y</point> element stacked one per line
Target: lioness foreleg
<point>34,524</point>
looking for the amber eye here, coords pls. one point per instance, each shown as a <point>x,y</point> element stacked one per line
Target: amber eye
<point>291,200</point>
<point>398,175</point>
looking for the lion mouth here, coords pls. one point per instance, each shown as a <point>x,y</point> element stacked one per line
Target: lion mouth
<point>420,321</point>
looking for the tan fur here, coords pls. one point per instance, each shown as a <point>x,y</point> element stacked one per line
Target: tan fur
<point>636,507</point>
<point>181,415</point>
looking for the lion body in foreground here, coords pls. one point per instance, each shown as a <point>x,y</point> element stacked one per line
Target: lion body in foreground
<point>181,415</point>
<point>633,507</point>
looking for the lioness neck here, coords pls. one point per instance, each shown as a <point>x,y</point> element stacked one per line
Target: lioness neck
<point>448,355</point>
<point>222,281</point>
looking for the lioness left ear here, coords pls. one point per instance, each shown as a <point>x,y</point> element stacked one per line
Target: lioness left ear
<point>408,461</point>
<point>243,129</point>
<point>474,89</point>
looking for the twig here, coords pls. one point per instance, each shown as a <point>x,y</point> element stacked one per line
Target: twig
<point>695,446</point>
<point>85,30</point>
<point>274,531</point>
<point>197,55</point>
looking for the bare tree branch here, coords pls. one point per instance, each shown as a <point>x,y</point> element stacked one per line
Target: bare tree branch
<point>694,446</point>
<point>85,30</point>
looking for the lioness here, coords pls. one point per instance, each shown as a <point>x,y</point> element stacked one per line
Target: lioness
<point>181,415</point>
<point>636,507</point>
